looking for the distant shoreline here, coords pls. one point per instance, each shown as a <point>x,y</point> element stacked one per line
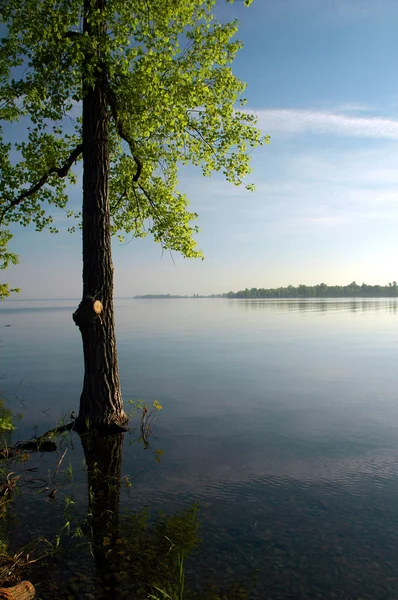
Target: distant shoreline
<point>267,298</point>
<point>321,290</point>
<point>175,297</point>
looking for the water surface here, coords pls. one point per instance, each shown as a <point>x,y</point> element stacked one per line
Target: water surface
<point>279,416</point>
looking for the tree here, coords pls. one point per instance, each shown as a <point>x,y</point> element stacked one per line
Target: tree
<point>153,88</point>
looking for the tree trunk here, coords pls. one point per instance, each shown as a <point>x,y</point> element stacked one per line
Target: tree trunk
<point>101,404</point>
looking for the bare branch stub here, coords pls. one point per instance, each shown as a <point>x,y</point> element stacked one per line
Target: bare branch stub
<point>88,311</point>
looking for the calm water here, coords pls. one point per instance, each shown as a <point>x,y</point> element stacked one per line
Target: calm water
<point>280,417</point>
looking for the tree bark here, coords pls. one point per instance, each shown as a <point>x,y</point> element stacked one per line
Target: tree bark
<point>101,404</point>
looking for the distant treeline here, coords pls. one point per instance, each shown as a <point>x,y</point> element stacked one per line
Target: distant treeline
<point>322,290</point>
<point>172,297</point>
<point>157,297</point>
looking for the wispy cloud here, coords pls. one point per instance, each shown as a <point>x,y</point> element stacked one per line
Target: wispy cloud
<point>304,189</point>
<point>353,107</point>
<point>297,121</point>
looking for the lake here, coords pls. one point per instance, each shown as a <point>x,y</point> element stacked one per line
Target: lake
<point>279,416</point>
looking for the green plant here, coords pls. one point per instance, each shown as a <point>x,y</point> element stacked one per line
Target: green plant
<point>175,591</point>
<point>6,420</point>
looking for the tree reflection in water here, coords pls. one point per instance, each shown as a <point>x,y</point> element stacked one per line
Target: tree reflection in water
<point>136,556</point>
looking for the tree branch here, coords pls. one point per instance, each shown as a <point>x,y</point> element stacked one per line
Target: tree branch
<point>149,198</point>
<point>212,148</point>
<point>137,202</point>
<point>119,200</point>
<point>113,103</point>
<point>60,171</point>
<point>73,34</point>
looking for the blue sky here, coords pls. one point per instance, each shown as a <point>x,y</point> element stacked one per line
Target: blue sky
<point>322,78</point>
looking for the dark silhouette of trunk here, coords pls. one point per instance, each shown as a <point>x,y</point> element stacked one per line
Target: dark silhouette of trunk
<point>101,404</point>
<point>103,454</point>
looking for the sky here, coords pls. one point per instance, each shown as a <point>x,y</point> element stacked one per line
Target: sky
<point>322,78</point>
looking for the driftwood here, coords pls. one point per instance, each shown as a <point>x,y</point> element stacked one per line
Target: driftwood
<point>40,444</point>
<point>22,591</point>
<point>44,443</point>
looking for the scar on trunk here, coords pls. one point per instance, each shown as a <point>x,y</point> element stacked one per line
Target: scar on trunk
<point>88,311</point>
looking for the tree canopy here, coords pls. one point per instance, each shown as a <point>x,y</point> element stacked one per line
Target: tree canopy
<point>172,96</point>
